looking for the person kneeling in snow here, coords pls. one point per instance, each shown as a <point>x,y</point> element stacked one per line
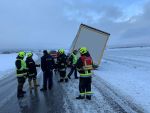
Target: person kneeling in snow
<point>84,67</point>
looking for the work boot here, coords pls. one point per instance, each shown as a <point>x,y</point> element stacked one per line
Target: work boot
<point>88,97</point>
<point>23,92</point>
<point>66,80</point>
<point>20,95</point>
<point>80,97</point>
<point>43,89</point>
<point>61,80</point>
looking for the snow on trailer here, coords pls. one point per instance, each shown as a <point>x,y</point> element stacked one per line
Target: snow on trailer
<point>93,39</point>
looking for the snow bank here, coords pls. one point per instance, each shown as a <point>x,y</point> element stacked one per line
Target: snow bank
<point>7,62</point>
<point>128,71</point>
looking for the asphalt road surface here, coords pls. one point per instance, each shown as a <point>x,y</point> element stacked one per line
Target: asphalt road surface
<point>61,99</point>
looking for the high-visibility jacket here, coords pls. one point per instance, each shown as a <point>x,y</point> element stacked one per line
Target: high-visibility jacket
<point>86,74</point>
<point>21,69</point>
<point>75,58</point>
<point>82,71</point>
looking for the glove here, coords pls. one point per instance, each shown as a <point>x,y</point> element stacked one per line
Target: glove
<point>25,76</point>
<point>38,65</point>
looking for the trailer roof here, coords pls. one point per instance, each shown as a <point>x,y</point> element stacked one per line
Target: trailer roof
<point>94,29</point>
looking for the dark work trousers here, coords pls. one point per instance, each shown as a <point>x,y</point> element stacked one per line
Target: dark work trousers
<point>73,69</point>
<point>21,81</point>
<point>48,79</point>
<point>85,84</point>
<point>62,75</point>
<point>33,77</point>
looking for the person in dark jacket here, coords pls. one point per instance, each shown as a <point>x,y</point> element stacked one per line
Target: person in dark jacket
<point>47,66</point>
<point>21,72</point>
<point>84,66</point>
<point>73,60</point>
<point>62,65</point>
<point>32,72</point>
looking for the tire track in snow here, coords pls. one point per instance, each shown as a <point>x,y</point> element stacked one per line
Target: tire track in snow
<point>96,105</point>
<point>128,62</point>
<point>119,103</point>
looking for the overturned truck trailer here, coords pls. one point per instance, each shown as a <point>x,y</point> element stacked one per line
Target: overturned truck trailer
<point>93,39</point>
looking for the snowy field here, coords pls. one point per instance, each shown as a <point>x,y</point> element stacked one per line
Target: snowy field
<point>123,75</point>
<point>7,62</point>
<point>128,70</point>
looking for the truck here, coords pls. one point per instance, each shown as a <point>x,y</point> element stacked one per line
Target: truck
<point>93,39</point>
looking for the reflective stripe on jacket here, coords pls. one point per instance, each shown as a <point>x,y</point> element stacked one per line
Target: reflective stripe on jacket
<point>22,71</point>
<point>86,74</point>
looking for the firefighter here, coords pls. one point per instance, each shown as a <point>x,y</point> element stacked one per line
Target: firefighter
<point>54,54</point>
<point>62,65</point>
<point>84,66</point>
<point>21,72</point>
<point>32,72</point>
<point>47,66</point>
<point>73,60</point>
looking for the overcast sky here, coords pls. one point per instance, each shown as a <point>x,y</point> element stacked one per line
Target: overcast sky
<point>54,23</point>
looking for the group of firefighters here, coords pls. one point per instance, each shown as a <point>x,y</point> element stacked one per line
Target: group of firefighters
<point>26,68</point>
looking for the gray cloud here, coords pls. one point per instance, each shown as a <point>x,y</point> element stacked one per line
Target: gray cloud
<point>51,24</point>
<point>34,24</point>
<point>124,29</point>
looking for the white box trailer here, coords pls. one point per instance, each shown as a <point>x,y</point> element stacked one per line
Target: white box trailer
<point>93,39</point>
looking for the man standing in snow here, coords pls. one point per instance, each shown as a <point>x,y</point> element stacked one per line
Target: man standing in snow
<point>84,67</point>
<point>47,66</point>
<point>21,71</point>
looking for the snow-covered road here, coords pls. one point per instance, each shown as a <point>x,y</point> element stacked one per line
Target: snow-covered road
<point>120,85</point>
<point>61,99</point>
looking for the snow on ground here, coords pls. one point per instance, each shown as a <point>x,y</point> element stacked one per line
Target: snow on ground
<point>128,71</point>
<point>98,104</point>
<point>7,62</point>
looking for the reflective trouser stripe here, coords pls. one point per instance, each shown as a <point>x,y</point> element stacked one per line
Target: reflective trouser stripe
<point>89,93</point>
<point>20,75</point>
<point>31,74</point>
<point>86,74</point>
<point>86,93</point>
<point>82,94</point>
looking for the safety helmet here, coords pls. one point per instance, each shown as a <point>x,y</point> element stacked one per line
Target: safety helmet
<point>21,54</point>
<point>45,52</point>
<point>83,50</point>
<point>61,51</point>
<point>29,54</point>
<point>75,51</point>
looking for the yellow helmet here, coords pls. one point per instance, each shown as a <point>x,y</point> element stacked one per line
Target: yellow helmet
<point>29,54</point>
<point>61,51</point>
<point>83,50</point>
<point>21,54</point>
